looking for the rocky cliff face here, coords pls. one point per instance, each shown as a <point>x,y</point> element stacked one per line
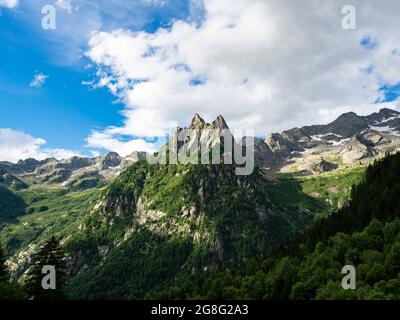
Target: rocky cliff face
<point>356,149</point>
<point>198,139</point>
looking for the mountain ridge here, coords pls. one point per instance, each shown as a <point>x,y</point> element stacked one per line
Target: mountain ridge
<point>378,133</point>
<point>345,126</point>
<point>152,223</point>
<point>306,147</point>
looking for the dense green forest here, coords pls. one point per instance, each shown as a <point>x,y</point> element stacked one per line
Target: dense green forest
<point>365,233</point>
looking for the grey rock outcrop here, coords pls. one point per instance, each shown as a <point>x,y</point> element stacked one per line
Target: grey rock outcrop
<point>112,159</point>
<point>356,149</point>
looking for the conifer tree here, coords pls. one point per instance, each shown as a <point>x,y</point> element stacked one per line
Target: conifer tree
<point>8,291</point>
<point>4,276</point>
<point>50,254</point>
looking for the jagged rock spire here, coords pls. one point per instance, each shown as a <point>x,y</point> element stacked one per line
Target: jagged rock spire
<point>197,122</point>
<point>220,123</point>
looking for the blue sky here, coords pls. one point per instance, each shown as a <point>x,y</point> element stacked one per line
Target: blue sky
<point>265,65</point>
<point>63,111</point>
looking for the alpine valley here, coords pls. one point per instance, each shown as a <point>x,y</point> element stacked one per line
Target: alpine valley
<point>135,230</point>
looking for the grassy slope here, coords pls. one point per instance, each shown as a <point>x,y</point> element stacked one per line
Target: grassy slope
<point>56,213</point>
<point>320,194</point>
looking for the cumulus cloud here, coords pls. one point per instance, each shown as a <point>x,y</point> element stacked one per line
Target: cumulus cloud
<point>16,145</point>
<point>264,65</point>
<point>9,3</point>
<point>39,79</point>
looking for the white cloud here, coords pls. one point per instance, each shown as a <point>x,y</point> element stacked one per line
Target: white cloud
<point>264,65</point>
<point>39,79</point>
<point>16,145</point>
<point>9,3</point>
<point>67,5</point>
<point>106,140</point>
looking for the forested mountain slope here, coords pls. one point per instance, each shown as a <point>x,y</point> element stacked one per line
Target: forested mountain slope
<point>365,234</point>
<point>161,224</point>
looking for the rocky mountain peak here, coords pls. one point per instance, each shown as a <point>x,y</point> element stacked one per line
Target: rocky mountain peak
<point>384,116</point>
<point>199,135</point>
<point>346,125</point>
<point>347,116</point>
<point>197,122</point>
<point>348,119</point>
<point>112,155</point>
<point>388,112</point>
<point>220,123</point>
<point>112,159</point>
